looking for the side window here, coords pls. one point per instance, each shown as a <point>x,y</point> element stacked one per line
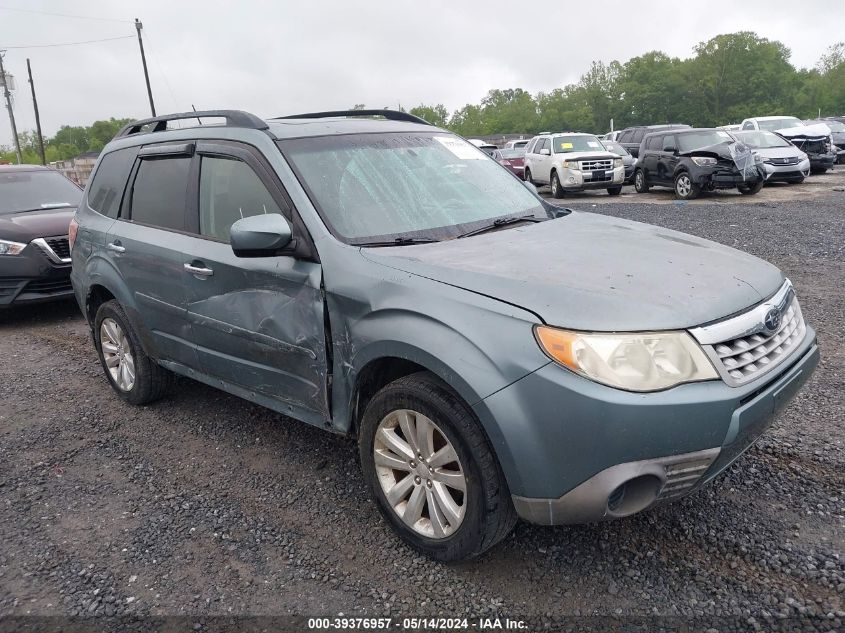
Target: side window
<point>669,143</point>
<point>638,135</point>
<point>110,180</point>
<point>530,147</point>
<point>652,142</point>
<point>544,144</point>
<point>748,125</point>
<point>230,190</point>
<point>625,137</point>
<point>159,192</point>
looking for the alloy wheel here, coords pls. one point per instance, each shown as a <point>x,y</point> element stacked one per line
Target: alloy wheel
<point>683,186</point>
<point>117,354</point>
<point>420,473</point>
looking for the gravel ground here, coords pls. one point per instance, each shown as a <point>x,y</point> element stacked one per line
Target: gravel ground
<point>204,504</point>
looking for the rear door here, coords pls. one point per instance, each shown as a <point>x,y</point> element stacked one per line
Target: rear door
<point>145,245</point>
<point>258,322</point>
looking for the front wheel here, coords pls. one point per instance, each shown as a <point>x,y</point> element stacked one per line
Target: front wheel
<point>750,190</point>
<point>614,191</point>
<point>640,183</point>
<point>557,190</point>
<point>431,471</point>
<point>135,377</point>
<point>685,188</point>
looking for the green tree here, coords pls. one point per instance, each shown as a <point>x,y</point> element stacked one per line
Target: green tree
<point>436,115</point>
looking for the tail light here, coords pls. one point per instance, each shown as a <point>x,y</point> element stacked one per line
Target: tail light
<point>71,233</point>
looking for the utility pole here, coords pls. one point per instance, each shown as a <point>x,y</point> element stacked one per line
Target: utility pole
<point>138,27</point>
<point>37,117</point>
<point>8,96</point>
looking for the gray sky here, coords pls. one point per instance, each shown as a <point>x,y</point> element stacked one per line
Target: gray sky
<point>276,58</point>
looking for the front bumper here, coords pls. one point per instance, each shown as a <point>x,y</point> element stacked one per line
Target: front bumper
<point>575,451</point>
<point>721,177</point>
<point>32,277</point>
<point>577,180</point>
<point>823,161</point>
<point>775,173</point>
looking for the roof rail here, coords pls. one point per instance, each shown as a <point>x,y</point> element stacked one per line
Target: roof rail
<point>392,115</point>
<point>234,118</point>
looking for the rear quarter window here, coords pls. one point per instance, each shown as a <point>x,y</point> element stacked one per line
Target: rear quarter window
<point>109,181</point>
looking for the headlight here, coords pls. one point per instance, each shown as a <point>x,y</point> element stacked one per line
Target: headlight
<point>11,248</point>
<point>617,162</point>
<point>702,161</point>
<point>647,361</point>
<point>570,164</point>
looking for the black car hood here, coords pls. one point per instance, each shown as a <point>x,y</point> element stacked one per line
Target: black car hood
<point>26,226</point>
<point>719,150</point>
<point>592,272</point>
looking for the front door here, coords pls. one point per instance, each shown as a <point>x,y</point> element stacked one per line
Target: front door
<point>257,322</point>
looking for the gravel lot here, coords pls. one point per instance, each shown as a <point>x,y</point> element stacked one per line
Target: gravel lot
<point>204,504</point>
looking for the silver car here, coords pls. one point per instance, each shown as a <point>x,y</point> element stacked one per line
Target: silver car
<point>782,161</point>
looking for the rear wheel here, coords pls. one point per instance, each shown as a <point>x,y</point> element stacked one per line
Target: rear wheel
<point>431,471</point>
<point>750,190</point>
<point>614,191</point>
<point>526,176</point>
<point>640,183</point>
<point>685,188</point>
<point>557,190</point>
<point>135,377</point>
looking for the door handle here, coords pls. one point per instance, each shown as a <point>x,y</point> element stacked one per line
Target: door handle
<point>199,270</point>
<point>116,247</point>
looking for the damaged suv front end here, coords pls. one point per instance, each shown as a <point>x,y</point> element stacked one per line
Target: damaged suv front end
<point>817,142</point>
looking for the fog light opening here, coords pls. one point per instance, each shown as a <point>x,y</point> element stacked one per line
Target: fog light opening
<point>634,495</point>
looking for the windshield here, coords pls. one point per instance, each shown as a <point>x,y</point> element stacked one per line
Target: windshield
<point>36,189</point>
<point>579,143</point>
<point>616,148</point>
<point>779,124</point>
<point>762,139</point>
<point>521,144</point>
<point>371,187</point>
<point>705,138</point>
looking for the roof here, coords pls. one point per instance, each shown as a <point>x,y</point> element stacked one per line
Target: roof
<point>771,118</point>
<point>23,168</point>
<point>297,128</point>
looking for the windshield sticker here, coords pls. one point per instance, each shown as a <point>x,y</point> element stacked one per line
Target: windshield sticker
<point>593,144</point>
<point>566,145</point>
<point>461,149</point>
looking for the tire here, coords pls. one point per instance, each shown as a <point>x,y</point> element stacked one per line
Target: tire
<point>526,176</point>
<point>614,191</point>
<point>685,188</point>
<point>487,512</point>
<point>750,190</point>
<point>640,182</point>
<point>149,381</point>
<point>554,185</point>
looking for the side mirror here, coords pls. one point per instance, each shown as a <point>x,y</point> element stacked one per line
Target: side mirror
<point>545,152</point>
<point>261,235</point>
<point>671,150</point>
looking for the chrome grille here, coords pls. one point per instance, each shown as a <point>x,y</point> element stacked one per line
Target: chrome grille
<point>744,357</point>
<point>57,249</point>
<point>596,164</point>
<point>681,477</point>
<point>745,347</point>
<point>794,160</point>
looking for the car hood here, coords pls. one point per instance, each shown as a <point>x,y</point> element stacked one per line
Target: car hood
<point>26,226</point>
<point>592,155</point>
<point>779,152</point>
<point>719,150</point>
<point>591,272</point>
<point>817,131</point>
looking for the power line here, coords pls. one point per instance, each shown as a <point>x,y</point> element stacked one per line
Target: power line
<point>107,39</point>
<point>64,15</point>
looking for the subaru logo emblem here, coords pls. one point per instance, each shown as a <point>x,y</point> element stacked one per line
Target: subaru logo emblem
<point>772,320</point>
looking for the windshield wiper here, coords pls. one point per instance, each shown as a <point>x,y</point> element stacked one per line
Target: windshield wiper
<point>399,241</point>
<point>495,224</point>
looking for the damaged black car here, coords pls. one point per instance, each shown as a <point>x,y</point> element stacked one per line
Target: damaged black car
<point>695,160</point>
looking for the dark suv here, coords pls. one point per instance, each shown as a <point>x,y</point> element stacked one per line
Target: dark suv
<point>494,356</point>
<point>631,137</point>
<point>36,206</point>
<point>695,160</point>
